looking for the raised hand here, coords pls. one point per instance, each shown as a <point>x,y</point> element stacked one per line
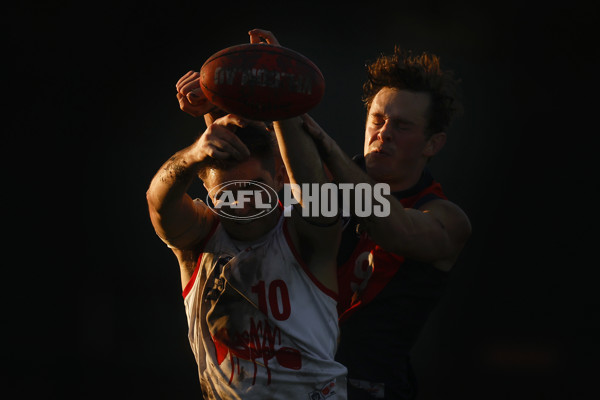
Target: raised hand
<point>190,95</point>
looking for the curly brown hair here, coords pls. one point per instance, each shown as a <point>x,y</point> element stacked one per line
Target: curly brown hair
<point>422,73</point>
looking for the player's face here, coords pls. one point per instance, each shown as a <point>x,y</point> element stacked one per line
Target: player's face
<point>395,140</point>
<point>249,170</point>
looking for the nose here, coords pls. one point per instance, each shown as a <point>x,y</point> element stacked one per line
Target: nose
<point>385,132</point>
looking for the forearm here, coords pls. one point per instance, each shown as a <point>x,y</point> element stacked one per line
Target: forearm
<point>342,168</point>
<point>299,153</point>
<point>391,221</point>
<point>170,184</point>
<point>303,163</point>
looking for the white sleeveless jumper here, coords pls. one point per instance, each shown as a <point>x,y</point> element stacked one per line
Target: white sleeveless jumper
<point>260,324</point>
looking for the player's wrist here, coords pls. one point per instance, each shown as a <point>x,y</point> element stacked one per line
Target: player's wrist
<point>328,148</point>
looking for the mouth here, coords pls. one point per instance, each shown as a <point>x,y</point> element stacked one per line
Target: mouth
<point>243,222</point>
<point>380,151</point>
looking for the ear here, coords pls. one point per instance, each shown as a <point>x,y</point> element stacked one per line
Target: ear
<point>434,144</point>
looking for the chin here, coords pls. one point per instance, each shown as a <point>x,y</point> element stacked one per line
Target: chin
<point>385,173</point>
<point>243,221</point>
<point>247,229</point>
<point>378,162</point>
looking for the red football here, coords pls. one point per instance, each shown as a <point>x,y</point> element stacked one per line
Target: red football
<point>262,82</point>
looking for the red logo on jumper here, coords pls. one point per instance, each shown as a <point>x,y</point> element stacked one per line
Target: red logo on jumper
<point>258,346</point>
<point>326,391</point>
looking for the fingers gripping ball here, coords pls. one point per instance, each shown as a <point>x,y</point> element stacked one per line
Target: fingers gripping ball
<point>262,82</point>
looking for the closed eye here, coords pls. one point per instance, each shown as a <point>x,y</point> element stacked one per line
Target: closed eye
<point>403,126</point>
<point>377,119</point>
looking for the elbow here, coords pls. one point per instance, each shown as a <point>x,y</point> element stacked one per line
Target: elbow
<point>157,197</point>
<point>155,202</point>
<point>151,200</point>
<point>153,209</point>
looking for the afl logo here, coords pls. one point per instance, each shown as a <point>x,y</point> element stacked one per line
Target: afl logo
<point>242,200</point>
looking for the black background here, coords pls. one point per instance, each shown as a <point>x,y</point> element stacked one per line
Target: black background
<point>93,302</point>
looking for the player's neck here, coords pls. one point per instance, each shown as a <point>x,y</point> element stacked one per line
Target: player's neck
<point>405,180</point>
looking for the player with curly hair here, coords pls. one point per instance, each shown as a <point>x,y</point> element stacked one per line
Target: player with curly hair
<point>393,270</point>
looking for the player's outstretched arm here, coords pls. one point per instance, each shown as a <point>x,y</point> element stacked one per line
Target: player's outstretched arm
<point>436,233</point>
<point>315,236</point>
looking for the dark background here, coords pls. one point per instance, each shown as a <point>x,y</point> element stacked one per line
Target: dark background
<point>93,302</point>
